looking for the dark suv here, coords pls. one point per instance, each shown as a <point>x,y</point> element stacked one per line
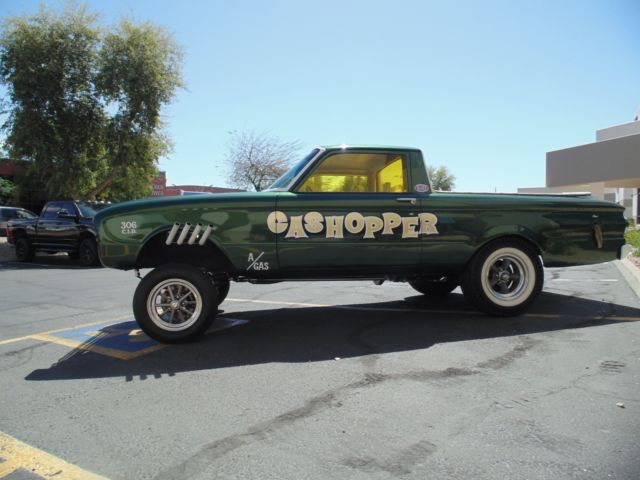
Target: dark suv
<point>63,226</point>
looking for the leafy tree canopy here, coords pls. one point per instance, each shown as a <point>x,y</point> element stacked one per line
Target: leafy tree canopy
<point>7,190</point>
<point>440,178</point>
<point>85,102</point>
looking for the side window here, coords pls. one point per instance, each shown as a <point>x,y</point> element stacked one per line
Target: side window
<point>68,207</point>
<point>51,212</point>
<point>391,178</point>
<point>358,173</point>
<point>24,214</point>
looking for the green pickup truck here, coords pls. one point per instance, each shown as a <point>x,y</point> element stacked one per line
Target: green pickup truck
<point>350,212</point>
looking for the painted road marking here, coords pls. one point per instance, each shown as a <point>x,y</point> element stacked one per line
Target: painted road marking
<point>124,340</point>
<point>581,280</point>
<point>48,332</point>
<point>422,310</point>
<point>18,455</point>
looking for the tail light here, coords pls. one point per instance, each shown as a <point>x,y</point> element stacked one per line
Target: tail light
<point>9,234</point>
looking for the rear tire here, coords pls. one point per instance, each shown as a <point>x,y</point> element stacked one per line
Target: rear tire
<point>24,250</point>
<point>504,278</point>
<point>175,303</point>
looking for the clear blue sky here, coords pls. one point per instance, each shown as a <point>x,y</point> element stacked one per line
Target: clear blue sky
<point>485,88</point>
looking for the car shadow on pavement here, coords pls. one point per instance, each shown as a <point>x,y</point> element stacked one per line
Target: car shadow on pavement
<point>315,334</point>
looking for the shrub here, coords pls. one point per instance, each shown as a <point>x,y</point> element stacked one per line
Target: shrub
<point>632,237</point>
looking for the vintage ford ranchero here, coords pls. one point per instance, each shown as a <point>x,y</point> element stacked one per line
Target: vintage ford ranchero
<point>349,213</point>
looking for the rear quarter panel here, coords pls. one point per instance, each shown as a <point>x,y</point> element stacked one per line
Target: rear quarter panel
<point>560,227</point>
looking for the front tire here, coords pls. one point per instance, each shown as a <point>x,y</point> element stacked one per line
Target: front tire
<point>433,289</point>
<point>504,278</point>
<point>175,303</point>
<point>24,250</point>
<point>88,253</point>
<point>222,285</point>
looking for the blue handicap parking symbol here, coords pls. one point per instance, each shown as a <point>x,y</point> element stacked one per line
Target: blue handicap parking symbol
<point>121,340</point>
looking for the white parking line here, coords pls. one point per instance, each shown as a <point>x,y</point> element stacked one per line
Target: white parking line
<point>583,280</point>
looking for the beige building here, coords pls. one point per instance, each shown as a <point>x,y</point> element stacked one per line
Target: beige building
<point>609,168</point>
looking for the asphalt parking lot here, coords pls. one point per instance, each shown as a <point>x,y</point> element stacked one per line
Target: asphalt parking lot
<point>318,380</point>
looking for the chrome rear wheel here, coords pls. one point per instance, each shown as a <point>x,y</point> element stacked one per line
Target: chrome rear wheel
<point>504,278</point>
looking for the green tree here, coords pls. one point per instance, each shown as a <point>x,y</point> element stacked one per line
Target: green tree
<point>7,191</point>
<point>440,178</point>
<point>84,102</point>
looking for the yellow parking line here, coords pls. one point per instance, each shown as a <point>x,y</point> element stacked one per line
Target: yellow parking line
<point>624,319</point>
<point>18,455</point>
<point>58,330</point>
<point>400,309</point>
<point>14,340</point>
<point>90,347</point>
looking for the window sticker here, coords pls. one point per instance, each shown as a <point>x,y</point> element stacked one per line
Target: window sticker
<point>421,188</point>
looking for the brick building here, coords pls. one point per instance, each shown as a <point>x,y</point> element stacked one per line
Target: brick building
<point>160,188</point>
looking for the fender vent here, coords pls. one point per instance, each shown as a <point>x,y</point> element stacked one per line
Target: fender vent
<point>184,235</point>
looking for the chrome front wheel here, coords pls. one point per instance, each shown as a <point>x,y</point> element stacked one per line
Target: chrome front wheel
<point>175,303</point>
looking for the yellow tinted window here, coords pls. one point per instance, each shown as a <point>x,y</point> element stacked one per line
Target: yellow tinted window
<point>358,172</point>
<point>334,183</point>
<point>391,178</point>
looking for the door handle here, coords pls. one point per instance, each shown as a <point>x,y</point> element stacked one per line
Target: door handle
<point>410,200</point>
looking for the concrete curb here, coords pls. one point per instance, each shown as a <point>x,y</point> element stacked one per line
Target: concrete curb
<point>631,274</point>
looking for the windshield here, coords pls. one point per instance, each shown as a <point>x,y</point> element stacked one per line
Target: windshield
<point>285,179</point>
<point>25,214</point>
<point>89,210</point>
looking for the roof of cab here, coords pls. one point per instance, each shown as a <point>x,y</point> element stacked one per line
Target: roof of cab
<point>368,147</point>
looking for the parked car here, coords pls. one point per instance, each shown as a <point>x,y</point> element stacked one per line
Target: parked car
<point>10,213</point>
<point>63,226</point>
<point>350,213</point>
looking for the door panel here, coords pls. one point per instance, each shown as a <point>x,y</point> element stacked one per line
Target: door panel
<point>58,233</point>
<point>348,232</point>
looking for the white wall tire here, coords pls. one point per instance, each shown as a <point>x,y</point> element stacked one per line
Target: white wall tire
<point>504,278</point>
